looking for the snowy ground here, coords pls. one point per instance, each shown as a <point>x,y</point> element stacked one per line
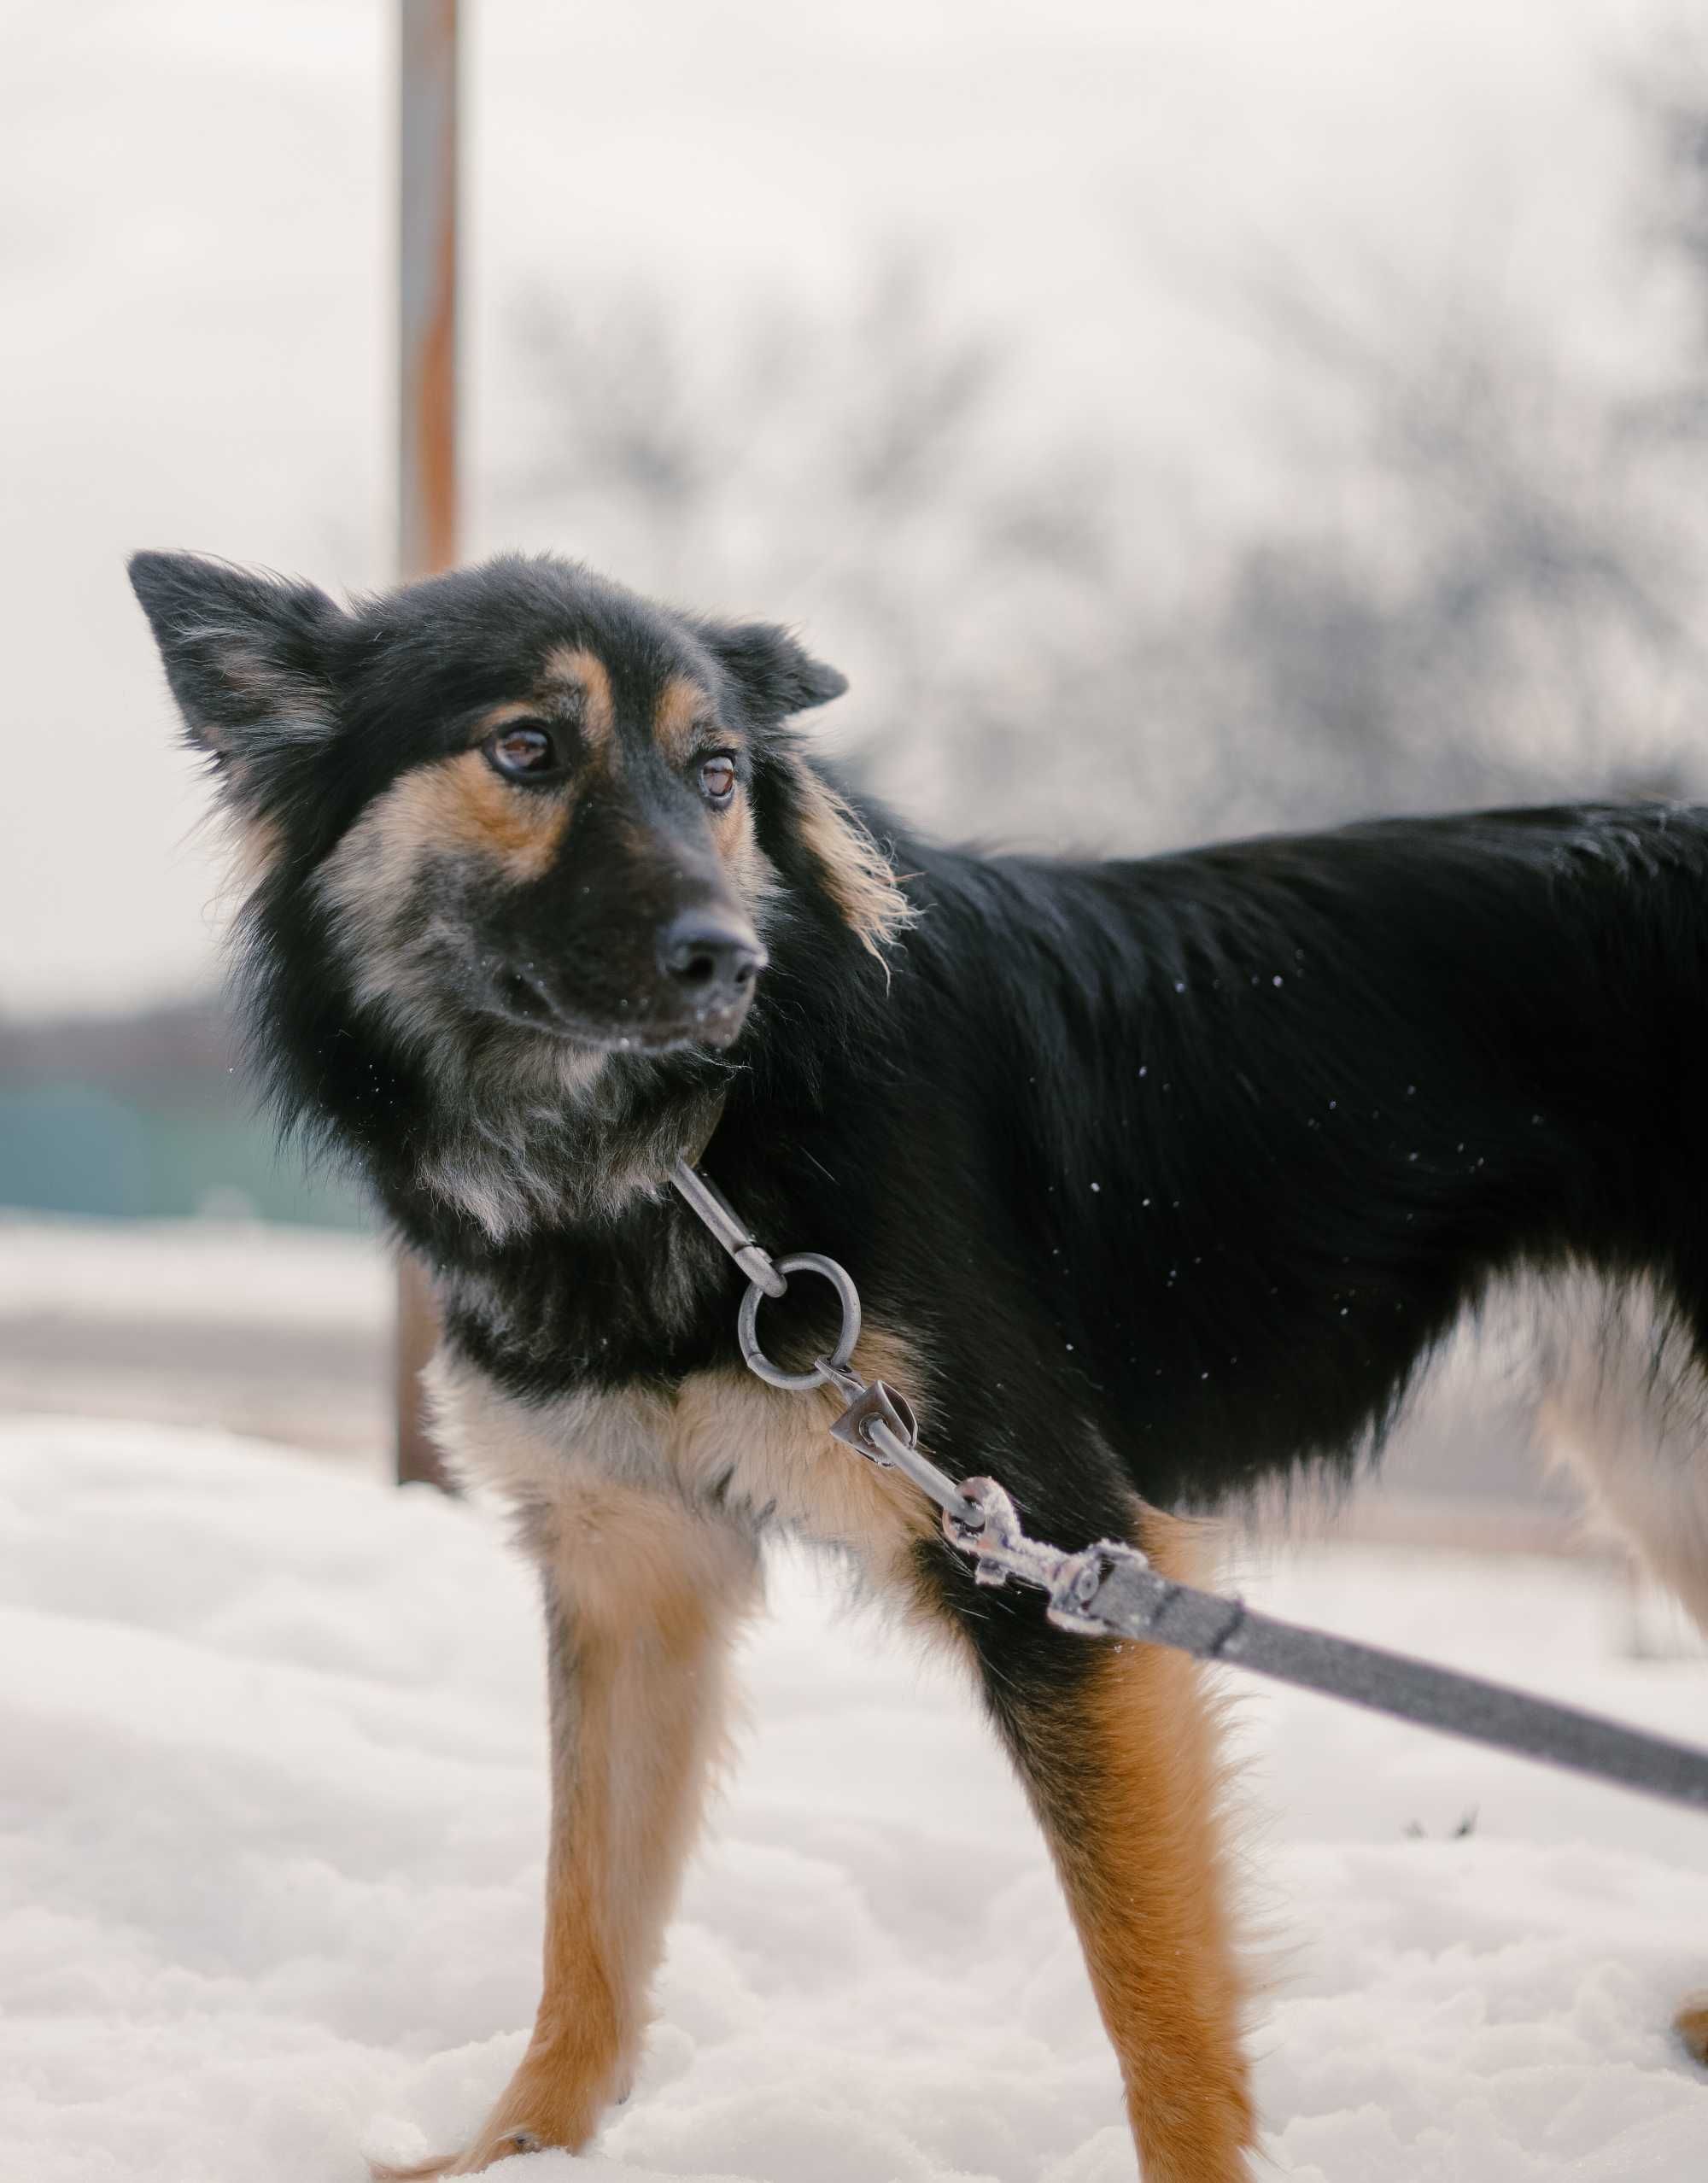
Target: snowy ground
<point>271,1819</point>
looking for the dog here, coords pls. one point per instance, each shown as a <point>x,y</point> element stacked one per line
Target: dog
<point>1160,1179</point>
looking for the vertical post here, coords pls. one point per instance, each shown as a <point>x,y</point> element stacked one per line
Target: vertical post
<point>427,288</point>
<point>426,477</point>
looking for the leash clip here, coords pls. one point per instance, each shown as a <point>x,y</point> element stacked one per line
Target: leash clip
<point>871,1407</point>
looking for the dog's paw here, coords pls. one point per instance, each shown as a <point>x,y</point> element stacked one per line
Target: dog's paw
<point>553,2104</point>
<point>490,2148</point>
<point>503,2144</point>
<point>1691,2023</point>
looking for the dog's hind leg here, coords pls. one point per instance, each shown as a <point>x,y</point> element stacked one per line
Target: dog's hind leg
<point>1117,1746</point>
<point>642,1594</point>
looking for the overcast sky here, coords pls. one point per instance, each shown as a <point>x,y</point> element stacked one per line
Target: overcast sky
<point>194,299</point>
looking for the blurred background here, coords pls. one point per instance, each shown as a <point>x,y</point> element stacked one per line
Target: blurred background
<point>1178,416</point>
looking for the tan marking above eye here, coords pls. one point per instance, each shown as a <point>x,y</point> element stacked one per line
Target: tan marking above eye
<point>682,715</point>
<point>585,673</point>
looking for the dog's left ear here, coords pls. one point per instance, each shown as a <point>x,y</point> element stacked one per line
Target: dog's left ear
<point>248,658</point>
<point>774,675</point>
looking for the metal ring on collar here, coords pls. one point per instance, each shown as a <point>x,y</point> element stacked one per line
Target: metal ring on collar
<point>747,1322</point>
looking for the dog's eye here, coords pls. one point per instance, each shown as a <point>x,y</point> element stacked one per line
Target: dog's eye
<point>718,780</point>
<point>521,753</point>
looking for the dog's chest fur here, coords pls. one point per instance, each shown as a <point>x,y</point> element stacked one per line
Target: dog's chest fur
<point>717,1444</point>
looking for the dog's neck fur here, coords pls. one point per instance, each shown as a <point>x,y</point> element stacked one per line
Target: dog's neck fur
<point>534,1145</point>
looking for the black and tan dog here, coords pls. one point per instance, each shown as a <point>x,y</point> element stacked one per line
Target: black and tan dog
<point>1157,1178</point>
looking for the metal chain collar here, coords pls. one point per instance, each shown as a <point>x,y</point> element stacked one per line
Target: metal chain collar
<point>878,1423</point>
<point>1110,1589</point>
<point>979,1517</point>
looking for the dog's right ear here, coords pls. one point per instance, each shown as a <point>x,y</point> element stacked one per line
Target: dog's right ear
<point>247,659</point>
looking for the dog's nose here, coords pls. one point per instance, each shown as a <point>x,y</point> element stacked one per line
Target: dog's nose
<point>713,961</point>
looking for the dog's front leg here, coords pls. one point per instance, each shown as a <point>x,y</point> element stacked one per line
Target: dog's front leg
<point>1115,1745</point>
<point>642,1595</point>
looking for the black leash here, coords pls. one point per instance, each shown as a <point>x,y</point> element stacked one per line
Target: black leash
<point>1111,1589</point>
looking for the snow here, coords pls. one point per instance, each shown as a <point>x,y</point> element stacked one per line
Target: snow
<point>272,1817</point>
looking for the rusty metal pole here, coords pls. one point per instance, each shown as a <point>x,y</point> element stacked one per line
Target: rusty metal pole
<point>426,478</point>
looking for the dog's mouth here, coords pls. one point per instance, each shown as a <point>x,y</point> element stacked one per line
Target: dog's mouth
<point>525,1000</point>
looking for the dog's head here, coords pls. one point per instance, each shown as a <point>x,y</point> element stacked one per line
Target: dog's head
<point>516,802</point>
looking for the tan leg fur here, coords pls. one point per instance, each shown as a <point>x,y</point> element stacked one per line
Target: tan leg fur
<point>1123,1775</point>
<point>643,1594</point>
